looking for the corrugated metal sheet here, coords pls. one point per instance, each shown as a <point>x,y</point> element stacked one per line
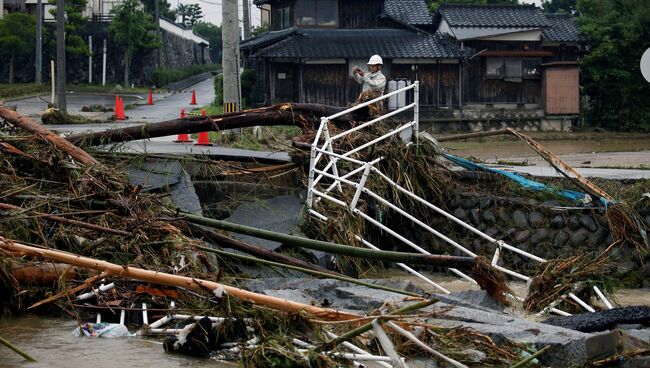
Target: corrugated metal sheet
<point>562,90</point>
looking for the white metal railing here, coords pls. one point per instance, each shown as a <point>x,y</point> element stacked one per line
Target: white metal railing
<point>356,175</point>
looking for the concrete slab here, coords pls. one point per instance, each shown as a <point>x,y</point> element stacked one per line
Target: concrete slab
<point>569,346</point>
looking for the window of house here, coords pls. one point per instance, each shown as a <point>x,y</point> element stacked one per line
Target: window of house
<point>532,67</point>
<point>495,67</point>
<point>316,13</point>
<point>281,18</point>
<point>284,18</point>
<point>512,67</point>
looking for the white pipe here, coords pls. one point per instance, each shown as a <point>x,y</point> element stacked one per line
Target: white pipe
<point>581,302</point>
<point>416,111</point>
<point>145,318</point>
<point>368,103</point>
<point>122,316</point>
<point>373,121</point>
<point>355,348</point>
<point>456,220</point>
<point>381,138</point>
<point>424,346</point>
<point>161,322</point>
<point>422,224</point>
<point>326,196</point>
<point>99,318</point>
<point>406,268</point>
<point>360,187</point>
<point>602,297</point>
<point>94,292</point>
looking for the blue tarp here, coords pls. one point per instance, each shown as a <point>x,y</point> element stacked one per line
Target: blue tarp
<point>526,183</point>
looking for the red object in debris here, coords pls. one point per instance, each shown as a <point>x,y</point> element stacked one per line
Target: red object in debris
<point>204,138</point>
<point>150,98</point>
<point>183,138</point>
<point>193,102</point>
<point>119,109</point>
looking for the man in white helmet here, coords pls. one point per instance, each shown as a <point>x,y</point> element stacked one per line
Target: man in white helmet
<point>374,80</point>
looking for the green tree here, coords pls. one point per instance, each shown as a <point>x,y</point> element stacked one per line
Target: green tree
<point>17,38</point>
<point>133,29</point>
<point>165,8</point>
<point>75,25</point>
<point>190,13</point>
<point>213,34</point>
<point>434,4</point>
<point>559,6</point>
<point>619,31</point>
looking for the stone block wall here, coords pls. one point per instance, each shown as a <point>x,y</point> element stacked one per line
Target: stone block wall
<point>541,228</point>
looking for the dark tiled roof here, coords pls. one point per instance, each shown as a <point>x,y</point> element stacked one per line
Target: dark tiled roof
<point>408,11</point>
<point>361,43</point>
<point>266,38</point>
<point>493,15</point>
<point>564,28</point>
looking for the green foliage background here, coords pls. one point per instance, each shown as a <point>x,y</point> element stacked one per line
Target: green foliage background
<point>619,31</point>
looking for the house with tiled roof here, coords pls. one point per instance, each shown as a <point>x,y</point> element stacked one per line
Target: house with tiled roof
<point>467,58</point>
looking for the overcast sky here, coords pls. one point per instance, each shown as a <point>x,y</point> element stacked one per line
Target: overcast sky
<point>212,9</point>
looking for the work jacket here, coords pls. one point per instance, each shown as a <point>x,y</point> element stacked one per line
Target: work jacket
<point>370,81</point>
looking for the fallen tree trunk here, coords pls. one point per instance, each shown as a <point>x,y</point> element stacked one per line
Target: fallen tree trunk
<point>303,116</point>
<point>226,242</point>
<point>194,284</point>
<point>35,128</point>
<point>42,273</point>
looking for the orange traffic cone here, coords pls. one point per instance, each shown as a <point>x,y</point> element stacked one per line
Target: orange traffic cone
<point>150,98</point>
<point>119,109</point>
<point>193,102</point>
<point>204,138</point>
<point>183,138</point>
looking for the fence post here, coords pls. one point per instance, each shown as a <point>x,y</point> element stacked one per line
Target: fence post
<point>416,111</point>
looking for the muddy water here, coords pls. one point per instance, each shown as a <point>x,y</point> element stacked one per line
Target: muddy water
<point>50,341</point>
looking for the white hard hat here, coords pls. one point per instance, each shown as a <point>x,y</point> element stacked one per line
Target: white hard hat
<point>375,59</point>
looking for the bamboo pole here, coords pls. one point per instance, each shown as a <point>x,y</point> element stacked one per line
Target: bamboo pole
<point>330,345</point>
<point>307,271</point>
<point>34,127</point>
<point>14,348</point>
<point>466,263</point>
<point>194,284</point>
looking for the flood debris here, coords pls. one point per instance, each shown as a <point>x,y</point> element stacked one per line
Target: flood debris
<point>81,237</point>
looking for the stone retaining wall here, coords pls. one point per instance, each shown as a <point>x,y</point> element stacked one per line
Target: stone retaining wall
<point>545,229</point>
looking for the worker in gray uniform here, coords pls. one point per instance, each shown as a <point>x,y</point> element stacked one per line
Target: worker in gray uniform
<point>374,79</point>
<point>374,83</point>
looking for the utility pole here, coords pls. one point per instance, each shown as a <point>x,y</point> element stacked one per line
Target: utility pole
<point>230,60</point>
<point>156,19</point>
<point>247,19</point>
<point>2,9</point>
<point>60,55</point>
<point>39,40</point>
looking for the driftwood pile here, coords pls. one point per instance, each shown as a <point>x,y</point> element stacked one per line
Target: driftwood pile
<point>71,221</point>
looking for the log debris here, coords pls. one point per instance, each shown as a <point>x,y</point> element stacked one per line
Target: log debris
<point>191,283</point>
<point>43,133</point>
<point>303,116</point>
